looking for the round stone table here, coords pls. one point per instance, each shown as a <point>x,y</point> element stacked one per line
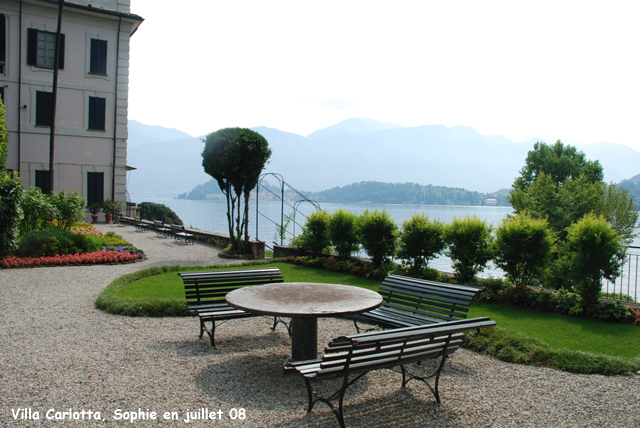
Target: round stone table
<point>304,302</point>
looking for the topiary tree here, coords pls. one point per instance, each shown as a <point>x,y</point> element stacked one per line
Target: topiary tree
<point>591,252</point>
<point>315,234</point>
<point>235,158</point>
<point>523,248</point>
<point>343,232</point>
<point>378,235</point>
<point>421,240</point>
<point>469,246</point>
<point>4,139</point>
<point>152,211</point>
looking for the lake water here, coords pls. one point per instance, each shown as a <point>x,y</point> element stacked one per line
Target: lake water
<point>211,215</point>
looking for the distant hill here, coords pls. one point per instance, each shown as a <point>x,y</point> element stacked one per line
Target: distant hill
<point>407,193</point>
<point>169,161</point>
<point>633,185</point>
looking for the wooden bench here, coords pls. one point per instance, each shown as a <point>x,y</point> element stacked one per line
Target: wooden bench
<point>409,302</point>
<point>205,293</point>
<point>140,225</point>
<point>161,230</point>
<point>179,232</point>
<point>351,357</point>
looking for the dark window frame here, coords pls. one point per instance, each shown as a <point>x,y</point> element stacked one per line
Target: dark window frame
<point>32,49</point>
<point>3,43</point>
<point>43,181</point>
<point>98,57</point>
<point>44,108</point>
<point>97,113</point>
<point>95,188</point>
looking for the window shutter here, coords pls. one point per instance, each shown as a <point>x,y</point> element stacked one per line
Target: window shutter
<point>32,46</point>
<point>61,53</point>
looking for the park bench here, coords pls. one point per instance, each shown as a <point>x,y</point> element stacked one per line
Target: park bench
<point>179,232</point>
<point>140,225</point>
<point>205,293</point>
<point>351,357</point>
<point>409,302</point>
<point>161,230</point>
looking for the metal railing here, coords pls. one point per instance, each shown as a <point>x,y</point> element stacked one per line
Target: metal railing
<point>625,287</point>
<point>293,193</point>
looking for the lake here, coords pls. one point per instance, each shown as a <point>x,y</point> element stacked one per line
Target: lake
<point>211,215</point>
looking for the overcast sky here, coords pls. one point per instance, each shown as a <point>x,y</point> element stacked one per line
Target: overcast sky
<point>566,70</point>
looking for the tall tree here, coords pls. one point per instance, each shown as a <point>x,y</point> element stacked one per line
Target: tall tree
<point>54,100</point>
<point>235,158</point>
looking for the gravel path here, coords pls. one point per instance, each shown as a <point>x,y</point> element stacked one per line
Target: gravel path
<point>58,352</point>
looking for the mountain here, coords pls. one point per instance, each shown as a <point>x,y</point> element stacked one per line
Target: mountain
<point>354,151</point>
<point>357,126</point>
<point>140,134</point>
<point>633,186</point>
<point>167,161</point>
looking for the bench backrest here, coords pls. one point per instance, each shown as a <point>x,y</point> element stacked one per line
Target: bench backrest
<point>383,349</point>
<point>431,299</point>
<point>212,287</point>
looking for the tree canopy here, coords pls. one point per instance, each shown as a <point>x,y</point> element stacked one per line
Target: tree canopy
<point>235,158</point>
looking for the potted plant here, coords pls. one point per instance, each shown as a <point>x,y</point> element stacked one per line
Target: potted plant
<point>117,211</point>
<point>94,209</point>
<point>108,206</point>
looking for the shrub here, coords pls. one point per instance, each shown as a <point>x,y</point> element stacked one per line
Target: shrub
<point>591,252</point>
<point>420,241</point>
<point>10,212</point>
<point>37,209</point>
<point>343,232</point>
<point>523,248</point>
<point>69,209</point>
<point>153,211</point>
<point>315,233</point>
<point>469,246</point>
<point>378,235</point>
<point>49,243</point>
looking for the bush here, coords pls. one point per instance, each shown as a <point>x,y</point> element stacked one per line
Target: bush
<point>343,232</point>
<point>469,246</point>
<point>420,241</point>
<point>592,251</point>
<point>69,209</point>
<point>378,235</point>
<point>315,233</point>
<point>523,248</point>
<point>10,212</point>
<point>49,243</point>
<point>37,209</point>
<point>152,211</point>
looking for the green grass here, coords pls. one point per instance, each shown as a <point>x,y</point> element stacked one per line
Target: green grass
<point>527,336</point>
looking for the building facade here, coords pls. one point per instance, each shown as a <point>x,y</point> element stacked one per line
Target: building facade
<point>90,149</point>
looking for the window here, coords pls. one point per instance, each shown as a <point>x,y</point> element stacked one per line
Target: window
<point>41,48</point>
<point>43,182</point>
<point>98,62</point>
<point>3,43</point>
<point>95,188</point>
<point>44,108</point>
<point>2,96</point>
<point>97,108</point>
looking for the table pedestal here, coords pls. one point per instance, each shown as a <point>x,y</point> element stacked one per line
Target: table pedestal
<point>304,339</point>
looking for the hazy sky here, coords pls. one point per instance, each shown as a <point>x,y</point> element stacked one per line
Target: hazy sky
<point>565,70</point>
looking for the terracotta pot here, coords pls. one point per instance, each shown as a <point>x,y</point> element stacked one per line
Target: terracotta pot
<point>94,218</point>
<point>107,218</point>
<point>116,219</point>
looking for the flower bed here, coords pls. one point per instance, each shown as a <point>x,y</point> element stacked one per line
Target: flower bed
<point>98,257</point>
<point>113,250</point>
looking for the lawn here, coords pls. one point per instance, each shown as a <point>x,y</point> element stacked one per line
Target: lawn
<point>558,331</point>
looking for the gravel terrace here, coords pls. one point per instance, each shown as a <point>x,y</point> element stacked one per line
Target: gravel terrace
<point>60,353</point>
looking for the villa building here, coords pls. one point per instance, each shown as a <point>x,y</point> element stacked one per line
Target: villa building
<point>90,150</point>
